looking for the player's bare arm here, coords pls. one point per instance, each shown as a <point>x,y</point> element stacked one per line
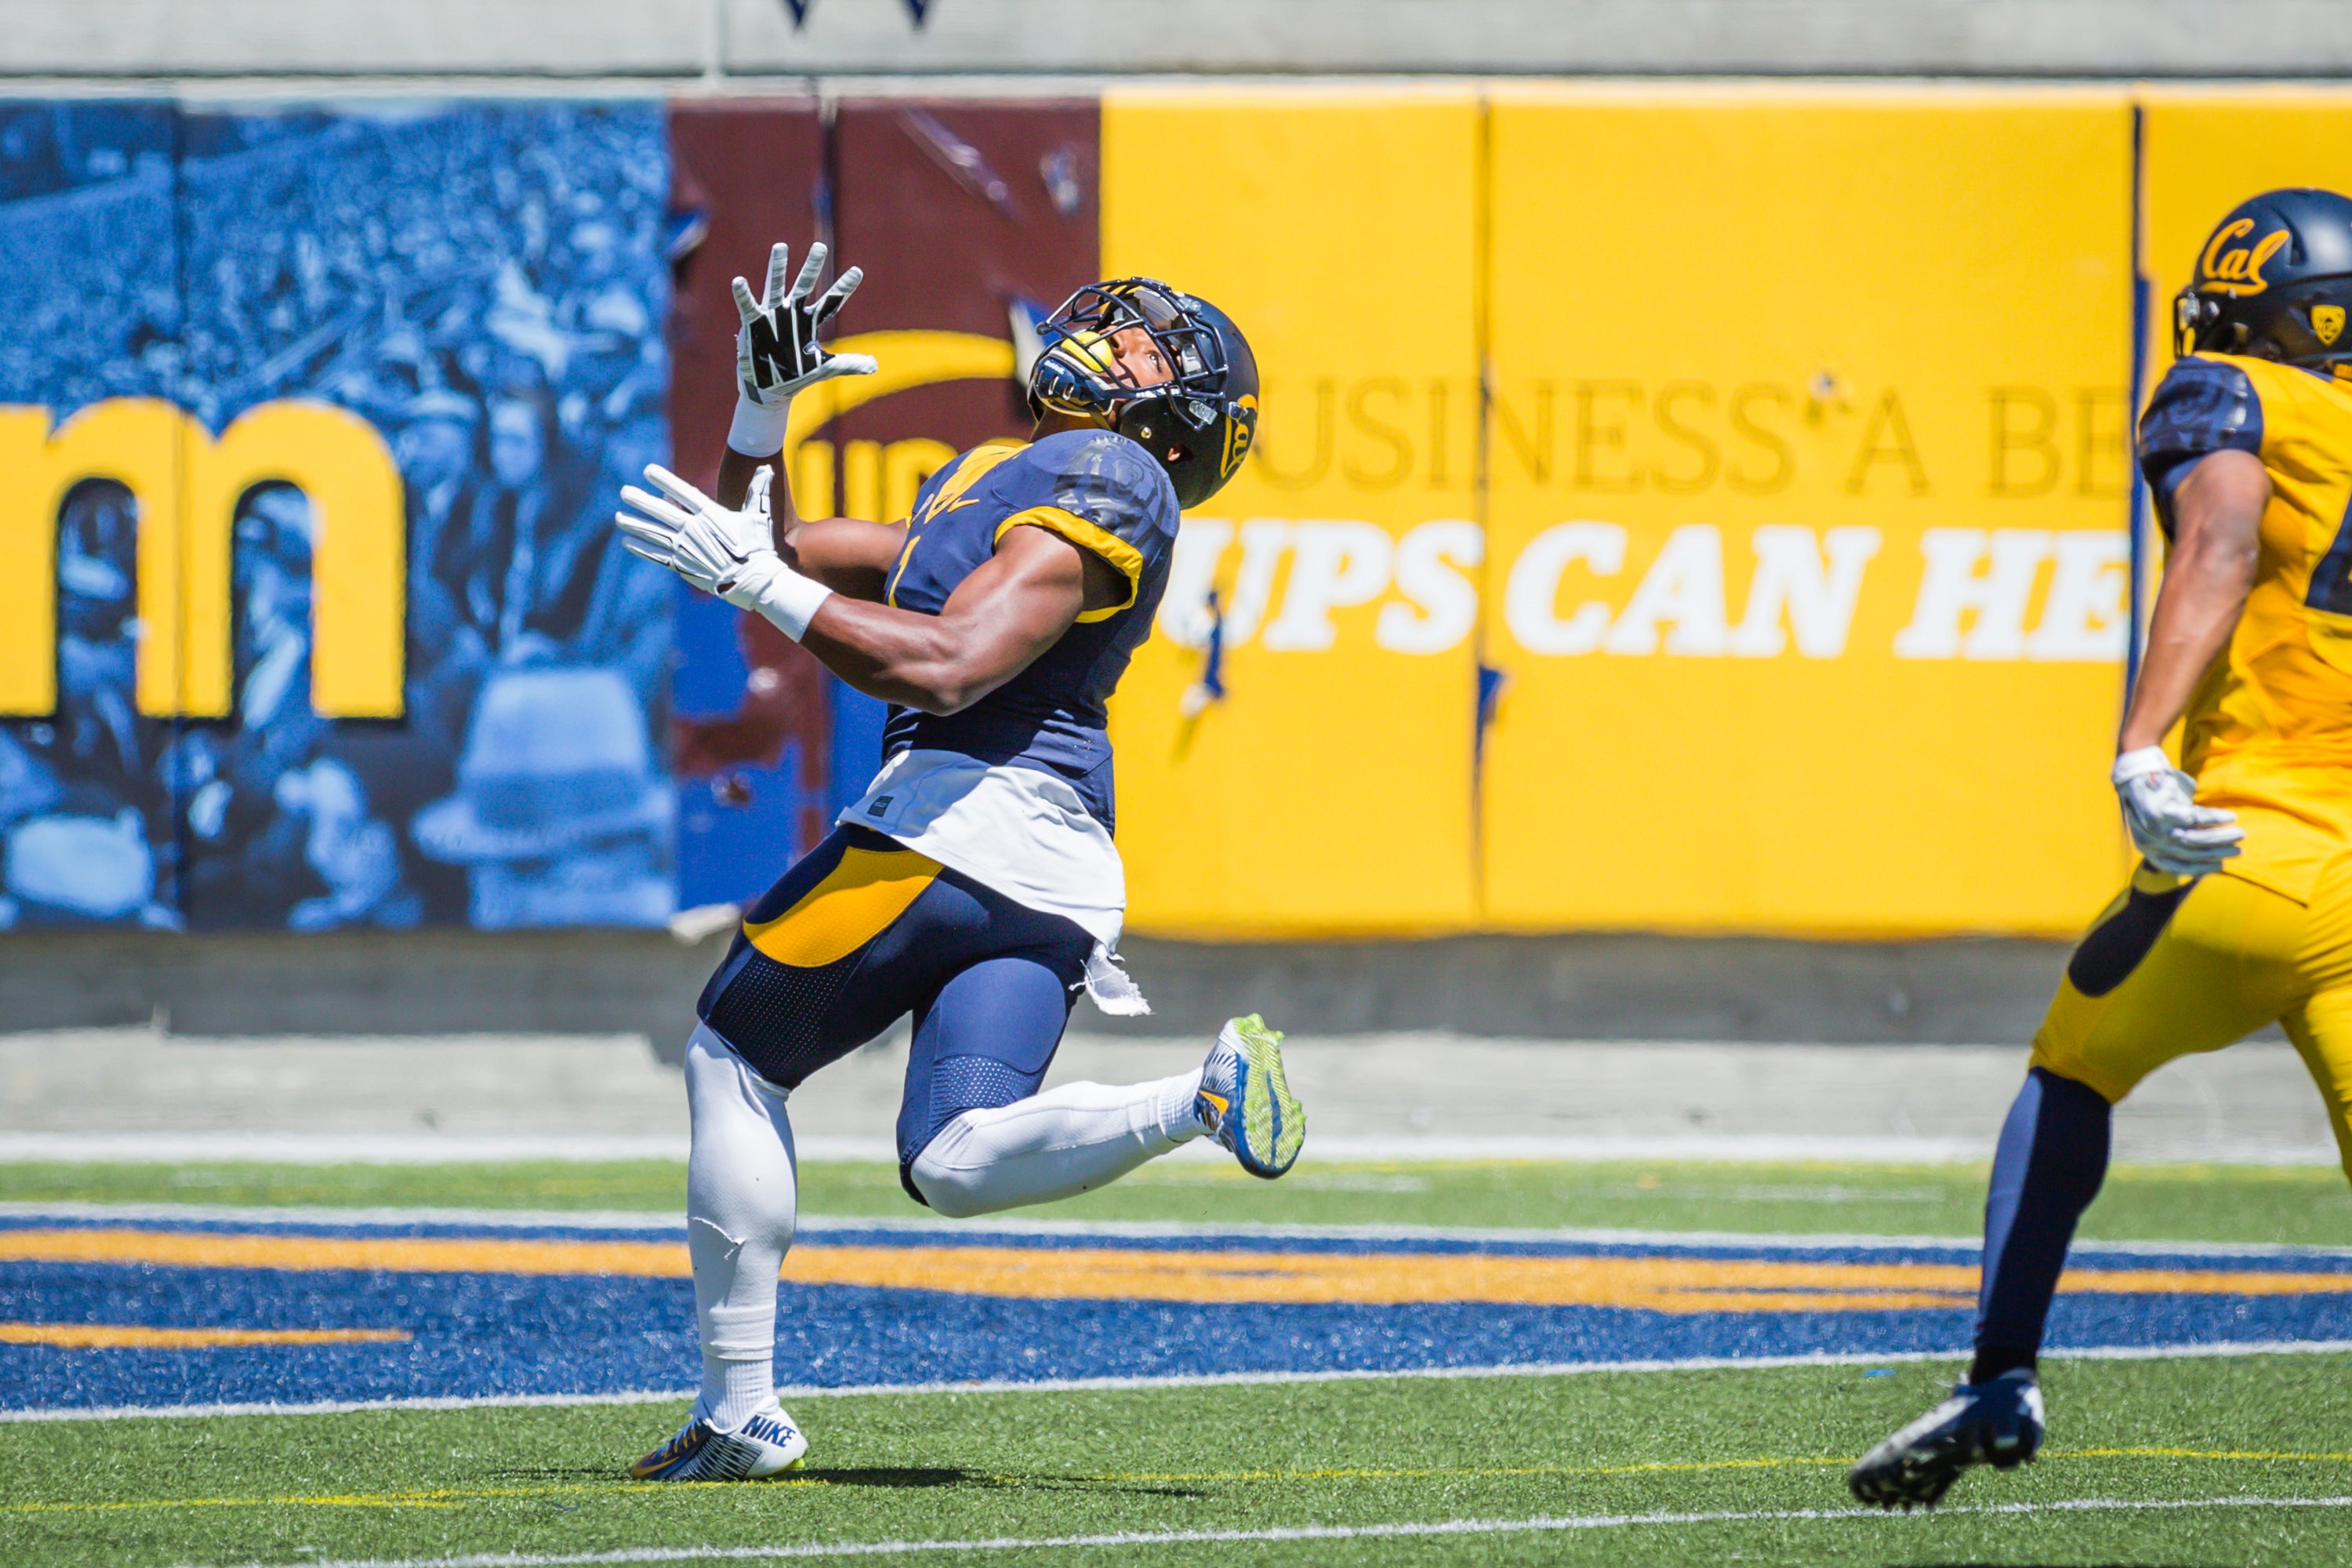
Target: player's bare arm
<point>2218,516</point>
<point>853,557</point>
<point>995,625</point>
<point>848,554</point>
<point>2217,512</point>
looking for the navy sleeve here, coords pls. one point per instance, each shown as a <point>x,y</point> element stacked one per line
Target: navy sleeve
<point>1113,484</point>
<point>2201,406</point>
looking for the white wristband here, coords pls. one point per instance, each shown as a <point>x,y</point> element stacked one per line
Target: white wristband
<point>758,430</point>
<point>774,590</point>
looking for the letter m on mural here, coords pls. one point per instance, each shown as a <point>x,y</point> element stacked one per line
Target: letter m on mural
<point>184,488</point>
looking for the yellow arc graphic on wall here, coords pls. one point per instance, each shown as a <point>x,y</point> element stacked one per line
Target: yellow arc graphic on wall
<point>1106,1273</point>
<point>908,359</point>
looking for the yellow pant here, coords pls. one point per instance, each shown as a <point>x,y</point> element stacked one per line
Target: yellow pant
<point>2143,988</point>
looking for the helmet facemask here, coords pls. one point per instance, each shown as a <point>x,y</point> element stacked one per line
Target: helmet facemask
<point>1079,373</point>
<point>1198,426</point>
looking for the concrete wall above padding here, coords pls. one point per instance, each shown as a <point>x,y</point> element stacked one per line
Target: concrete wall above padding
<point>684,38</point>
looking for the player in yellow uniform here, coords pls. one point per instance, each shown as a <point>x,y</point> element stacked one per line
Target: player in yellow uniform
<point>2241,912</point>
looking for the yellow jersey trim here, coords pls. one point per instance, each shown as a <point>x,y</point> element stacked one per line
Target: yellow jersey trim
<point>967,471</point>
<point>905,553</point>
<point>856,903</point>
<point>971,468</point>
<point>1126,557</point>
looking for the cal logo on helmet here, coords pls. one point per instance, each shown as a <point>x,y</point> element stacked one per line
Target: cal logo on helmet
<point>2273,281</point>
<point>2238,269</point>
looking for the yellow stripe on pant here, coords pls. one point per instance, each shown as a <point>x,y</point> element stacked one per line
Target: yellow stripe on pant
<point>854,904</point>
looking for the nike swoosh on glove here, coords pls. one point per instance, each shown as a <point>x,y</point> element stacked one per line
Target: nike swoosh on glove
<point>2171,830</point>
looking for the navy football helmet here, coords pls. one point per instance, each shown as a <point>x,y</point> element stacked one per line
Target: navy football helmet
<point>1198,426</point>
<point>2274,282</point>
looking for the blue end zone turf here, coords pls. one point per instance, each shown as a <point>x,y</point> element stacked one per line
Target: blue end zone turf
<point>111,1313</point>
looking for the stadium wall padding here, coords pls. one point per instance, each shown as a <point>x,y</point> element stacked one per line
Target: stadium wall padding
<point>1685,508</point>
<point>1331,787</point>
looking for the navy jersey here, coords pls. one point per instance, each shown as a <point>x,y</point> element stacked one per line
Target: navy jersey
<point>1102,492</point>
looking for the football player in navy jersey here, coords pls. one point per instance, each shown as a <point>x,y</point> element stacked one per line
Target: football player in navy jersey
<point>975,885</point>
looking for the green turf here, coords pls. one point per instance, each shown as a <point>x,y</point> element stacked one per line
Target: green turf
<point>1028,1466</point>
<point>2289,1204</point>
<point>405,1484</point>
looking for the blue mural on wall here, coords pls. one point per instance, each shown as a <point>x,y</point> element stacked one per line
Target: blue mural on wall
<point>487,285</point>
<point>89,309</point>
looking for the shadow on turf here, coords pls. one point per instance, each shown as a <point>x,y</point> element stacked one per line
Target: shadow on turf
<point>898,1478</point>
<point>895,1478</point>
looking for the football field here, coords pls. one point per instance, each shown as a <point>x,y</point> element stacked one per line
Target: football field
<point>1496,1362</point>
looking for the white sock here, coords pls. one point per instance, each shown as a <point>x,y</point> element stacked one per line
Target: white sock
<point>1056,1145</point>
<point>741,1203</point>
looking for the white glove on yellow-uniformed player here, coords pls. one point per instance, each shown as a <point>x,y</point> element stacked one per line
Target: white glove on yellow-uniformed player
<point>2171,830</point>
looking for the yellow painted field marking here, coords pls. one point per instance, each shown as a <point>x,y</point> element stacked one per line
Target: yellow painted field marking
<point>1655,1284</point>
<point>2243,1454</point>
<point>140,1337</point>
<point>398,1253</point>
<point>452,1497</point>
<point>1657,1468</point>
<point>1465,1472</point>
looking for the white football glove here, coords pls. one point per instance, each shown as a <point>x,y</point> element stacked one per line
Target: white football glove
<point>727,552</point>
<point>776,349</point>
<point>2172,831</point>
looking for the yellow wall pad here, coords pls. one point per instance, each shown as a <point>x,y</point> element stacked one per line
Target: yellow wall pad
<point>1343,555</point>
<point>854,903</point>
<point>1655,1284</point>
<point>138,1337</point>
<point>1773,515</point>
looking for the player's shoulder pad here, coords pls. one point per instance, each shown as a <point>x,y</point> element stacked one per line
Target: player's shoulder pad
<point>1110,481</point>
<point>2203,404</point>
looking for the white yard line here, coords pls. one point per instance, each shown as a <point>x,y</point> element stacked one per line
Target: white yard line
<point>1180,1380</point>
<point>1542,1524</point>
<point>259,1215</point>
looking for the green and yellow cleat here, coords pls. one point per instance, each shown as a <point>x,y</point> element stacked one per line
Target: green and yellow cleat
<point>1245,1101</point>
